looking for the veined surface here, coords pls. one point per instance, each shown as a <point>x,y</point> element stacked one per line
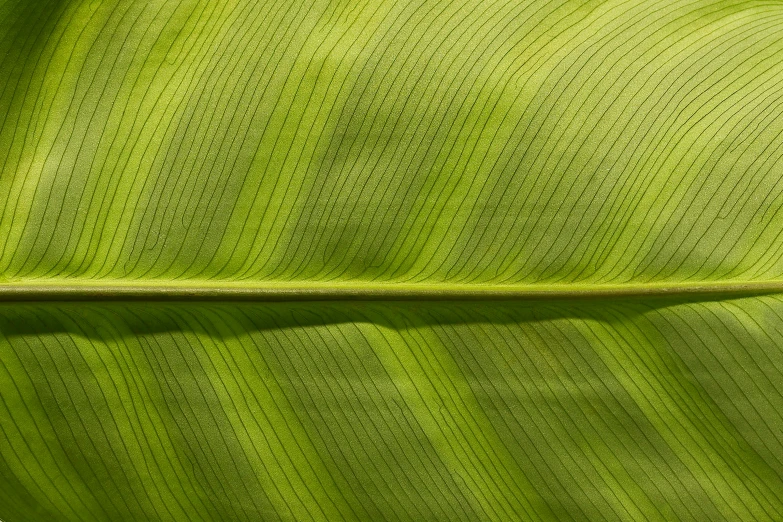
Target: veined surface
<point>406,411</point>
<point>500,142</point>
<point>416,149</point>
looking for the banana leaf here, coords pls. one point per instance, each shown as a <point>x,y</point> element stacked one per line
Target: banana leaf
<point>379,260</point>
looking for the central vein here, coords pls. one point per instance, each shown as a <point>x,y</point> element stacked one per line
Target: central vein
<point>62,290</point>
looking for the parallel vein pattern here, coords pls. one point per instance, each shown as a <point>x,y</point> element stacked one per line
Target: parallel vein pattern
<point>614,411</point>
<point>462,141</point>
<point>427,145</point>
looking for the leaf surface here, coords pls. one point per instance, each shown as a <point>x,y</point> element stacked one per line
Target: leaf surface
<point>549,232</point>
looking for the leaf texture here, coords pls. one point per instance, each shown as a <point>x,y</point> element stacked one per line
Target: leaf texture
<point>501,142</point>
<point>398,151</point>
<point>610,411</point>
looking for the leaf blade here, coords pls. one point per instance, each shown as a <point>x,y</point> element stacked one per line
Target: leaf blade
<point>588,410</point>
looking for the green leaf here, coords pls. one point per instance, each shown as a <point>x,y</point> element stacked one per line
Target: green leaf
<point>391,260</point>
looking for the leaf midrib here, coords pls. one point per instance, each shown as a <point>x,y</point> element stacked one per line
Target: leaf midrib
<point>40,290</point>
